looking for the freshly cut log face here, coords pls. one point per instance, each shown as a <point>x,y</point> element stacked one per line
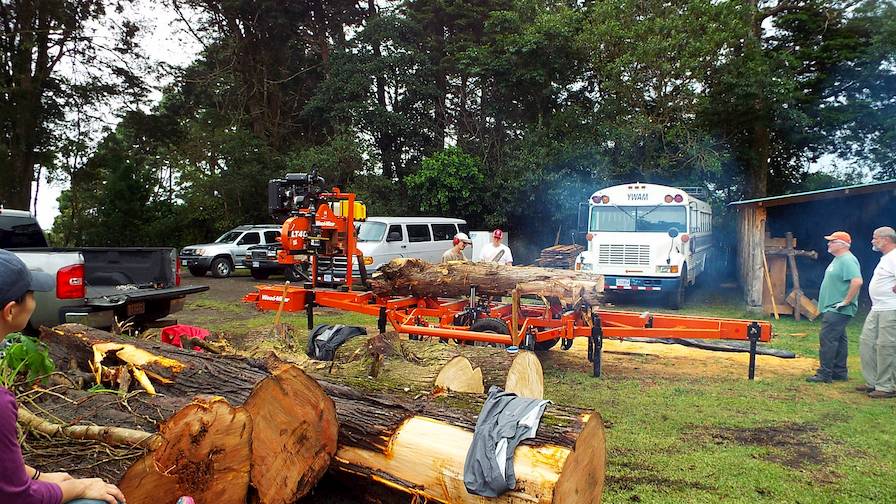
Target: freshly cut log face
<point>525,377</point>
<point>205,453</point>
<point>416,277</point>
<point>459,376</point>
<point>294,435</point>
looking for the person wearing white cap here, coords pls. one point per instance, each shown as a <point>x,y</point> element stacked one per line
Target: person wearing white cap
<point>456,252</point>
<point>496,251</point>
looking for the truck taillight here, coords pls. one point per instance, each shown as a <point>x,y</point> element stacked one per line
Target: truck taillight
<point>70,282</point>
<point>176,273</point>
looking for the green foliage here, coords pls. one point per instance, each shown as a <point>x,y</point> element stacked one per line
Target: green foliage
<point>23,354</point>
<point>452,183</point>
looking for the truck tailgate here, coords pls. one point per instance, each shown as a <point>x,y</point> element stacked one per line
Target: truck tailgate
<point>114,296</point>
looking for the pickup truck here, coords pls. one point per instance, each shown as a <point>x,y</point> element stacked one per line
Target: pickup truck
<point>96,286</point>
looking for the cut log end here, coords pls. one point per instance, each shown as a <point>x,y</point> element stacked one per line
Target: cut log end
<point>458,375</point>
<point>526,377</point>
<point>205,454</point>
<point>582,477</point>
<point>294,435</point>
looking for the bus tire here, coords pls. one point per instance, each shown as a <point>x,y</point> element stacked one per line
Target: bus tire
<point>676,297</point>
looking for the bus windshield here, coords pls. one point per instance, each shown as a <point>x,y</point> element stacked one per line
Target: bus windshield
<point>656,218</point>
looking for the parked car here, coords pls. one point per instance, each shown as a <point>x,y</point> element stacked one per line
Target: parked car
<point>94,286</point>
<point>228,251</point>
<point>262,261</point>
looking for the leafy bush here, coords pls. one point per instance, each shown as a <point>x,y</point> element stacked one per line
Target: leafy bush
<point>21,354</point>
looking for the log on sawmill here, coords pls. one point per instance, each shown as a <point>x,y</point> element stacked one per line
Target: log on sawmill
<point>255,406</point>
<point>418,445</point>
<point>416,277</point>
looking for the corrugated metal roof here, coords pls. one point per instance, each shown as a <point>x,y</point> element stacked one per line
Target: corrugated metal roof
<point>834,192</point>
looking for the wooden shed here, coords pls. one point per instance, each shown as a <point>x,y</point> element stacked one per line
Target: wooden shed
<point>857,209</point>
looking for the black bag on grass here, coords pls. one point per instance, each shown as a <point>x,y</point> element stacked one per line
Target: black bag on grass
<point>325,339</point>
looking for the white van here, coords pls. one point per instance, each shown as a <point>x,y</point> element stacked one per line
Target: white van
<point>382,239</point>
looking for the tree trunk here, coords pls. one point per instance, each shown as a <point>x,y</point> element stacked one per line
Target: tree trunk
<point>416,277</point>
<point>271,401</point>
<point>418,446</point>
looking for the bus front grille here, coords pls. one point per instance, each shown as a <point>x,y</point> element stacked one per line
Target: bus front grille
<point>623,254</point>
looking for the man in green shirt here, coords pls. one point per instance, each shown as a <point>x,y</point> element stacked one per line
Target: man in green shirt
<point>838,302</point>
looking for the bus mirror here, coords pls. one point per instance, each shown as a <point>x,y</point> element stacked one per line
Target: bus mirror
<point>673,232</point>
<point>582,225</point>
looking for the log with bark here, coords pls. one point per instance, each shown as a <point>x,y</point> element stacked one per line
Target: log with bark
<point>254,405</point>
<point>418,445</point>
<point>416,277</point>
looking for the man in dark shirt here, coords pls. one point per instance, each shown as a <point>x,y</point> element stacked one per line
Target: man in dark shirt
<point>19,483</point>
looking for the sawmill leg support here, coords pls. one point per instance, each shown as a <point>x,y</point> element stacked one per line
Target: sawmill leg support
<point>753,332</point>
<point>595,344</point>
<point>309,309</point>
<point>381,322</point>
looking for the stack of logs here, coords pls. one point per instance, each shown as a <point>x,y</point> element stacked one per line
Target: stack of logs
<point>227,428</point>
<point>559,256</point>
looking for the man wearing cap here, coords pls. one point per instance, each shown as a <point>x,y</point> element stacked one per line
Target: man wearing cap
<point>878,342</point>
<point>456,252</point>
<point>19,483</point>
<point>496,251</point>
<point>838,303</point>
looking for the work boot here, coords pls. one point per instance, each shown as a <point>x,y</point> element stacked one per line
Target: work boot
<point>880,394</point>
<point>840,378</point>
<point>818,379</point>
<point>865,388</point>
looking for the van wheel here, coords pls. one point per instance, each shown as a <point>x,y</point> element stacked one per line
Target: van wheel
<point>221,268</point>
<point>197,271</point>
<point>295,273</point>
<point>676,298</point>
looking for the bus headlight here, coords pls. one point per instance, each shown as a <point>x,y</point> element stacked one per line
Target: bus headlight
<point>665,268</point>
<point>584,266</point>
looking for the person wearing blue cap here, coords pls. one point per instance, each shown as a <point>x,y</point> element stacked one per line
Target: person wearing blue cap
<point>20,483</point>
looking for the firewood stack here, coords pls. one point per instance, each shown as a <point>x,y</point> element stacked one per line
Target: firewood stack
<point>559,256</point>
<point>227,428</point>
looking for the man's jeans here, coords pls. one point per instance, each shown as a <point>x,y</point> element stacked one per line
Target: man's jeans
<point>833,345</point>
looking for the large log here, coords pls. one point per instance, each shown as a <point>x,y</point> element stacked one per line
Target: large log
<point>418,445</point>
<point>293,423</point>
<point>416,277</point>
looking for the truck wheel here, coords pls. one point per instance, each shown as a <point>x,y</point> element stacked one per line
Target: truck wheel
<point>260,274</point>
<point>197,271</point>
<point>676,298</point>
<point>221,268</point>
<point>295,273</point>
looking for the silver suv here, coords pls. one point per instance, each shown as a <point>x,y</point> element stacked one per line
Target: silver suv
<point>227,252</point>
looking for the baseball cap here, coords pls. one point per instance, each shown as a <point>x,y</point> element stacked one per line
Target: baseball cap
<point>839,235</point>
<point>463,237</point>
<point>498,234</point>
<point>16,279</point>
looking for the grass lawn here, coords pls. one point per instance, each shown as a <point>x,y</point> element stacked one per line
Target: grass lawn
<point>706,437</point>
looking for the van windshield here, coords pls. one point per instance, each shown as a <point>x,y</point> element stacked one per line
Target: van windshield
<point>657,218</point>
<point>229,237</point>
<point>371,231</point>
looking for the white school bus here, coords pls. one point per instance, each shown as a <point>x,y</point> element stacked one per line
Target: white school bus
<point>647,238</point>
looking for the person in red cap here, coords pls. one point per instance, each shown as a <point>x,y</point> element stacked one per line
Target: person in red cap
<point>496,251</point>
<point>838,303</point>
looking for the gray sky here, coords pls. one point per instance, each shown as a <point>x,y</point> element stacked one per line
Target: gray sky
<point>164,42</point>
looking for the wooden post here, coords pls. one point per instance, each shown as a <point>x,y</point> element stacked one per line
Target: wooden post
<point>791,259</point>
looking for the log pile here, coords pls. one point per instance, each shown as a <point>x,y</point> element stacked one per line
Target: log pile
<point>416,277</point>
<point>559,256</point>
<point>233,428</point>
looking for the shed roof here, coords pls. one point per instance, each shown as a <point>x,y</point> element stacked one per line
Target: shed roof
<point>821,194</point>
